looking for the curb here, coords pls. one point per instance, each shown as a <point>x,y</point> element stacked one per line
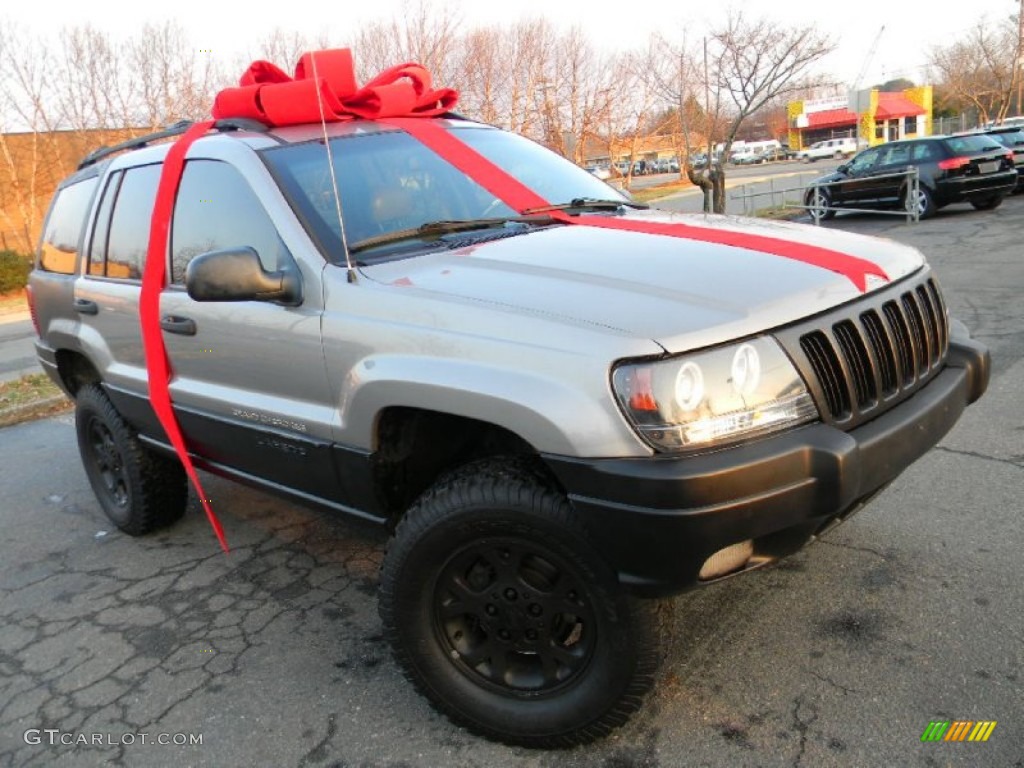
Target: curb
<point>38,409</point>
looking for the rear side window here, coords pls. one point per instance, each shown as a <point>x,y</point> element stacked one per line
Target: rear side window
<point>924,152</point>
<point>959,145</point>
<point>58,250</point>
<point>128,238</point>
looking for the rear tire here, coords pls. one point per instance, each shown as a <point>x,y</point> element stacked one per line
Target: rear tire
<point>987,203</point>
<point>138,490</point>
<point>506,619</point>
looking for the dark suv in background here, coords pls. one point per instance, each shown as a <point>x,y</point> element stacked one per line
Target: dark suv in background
<point>1011,137</point>
<point>952,169</point>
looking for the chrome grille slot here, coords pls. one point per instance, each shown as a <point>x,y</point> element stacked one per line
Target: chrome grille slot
<point>943,320</point>
<point>826,366</point>
<point>917,333</point>
<point>857,362</point>
<point>901,336</point>
<point>882,350</point>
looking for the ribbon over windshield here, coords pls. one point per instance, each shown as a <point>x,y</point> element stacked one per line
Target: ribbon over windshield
<point>267,94</point>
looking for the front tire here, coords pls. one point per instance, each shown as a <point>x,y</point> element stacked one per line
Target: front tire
<point>504,616</point>
<point>139,490</point>
<point>818,202</point>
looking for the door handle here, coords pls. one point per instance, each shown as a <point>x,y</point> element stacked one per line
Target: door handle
<point>86,306</point>
<point>186,326</point>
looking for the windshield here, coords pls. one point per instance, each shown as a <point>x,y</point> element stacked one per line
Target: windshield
<point>389,182</point>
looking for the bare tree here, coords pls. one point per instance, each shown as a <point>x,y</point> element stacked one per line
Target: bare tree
<point>31,157</point>
<point>421,32</point>
<point>682,82</point>
<point>172,79</point>
<point>753,62</point>
<point>981,70</point>
<point>637,102</point>
<point>283,48</point>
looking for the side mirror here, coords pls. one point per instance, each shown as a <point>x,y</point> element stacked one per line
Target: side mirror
<point>235,274</point>
<point>844,168</point>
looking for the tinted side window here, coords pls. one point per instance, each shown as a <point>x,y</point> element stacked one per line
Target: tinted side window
<point>101,232</point>
<point>897,154</point>
<point>58,250</point>
<point>864,161</point>
<point>217,209</point>
<point>924,152</point>
<point>129,227</point>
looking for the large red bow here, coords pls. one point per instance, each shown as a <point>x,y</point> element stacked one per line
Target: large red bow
<point>266,93</point>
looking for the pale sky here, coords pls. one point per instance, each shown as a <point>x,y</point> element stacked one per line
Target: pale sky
<point>912,27</point>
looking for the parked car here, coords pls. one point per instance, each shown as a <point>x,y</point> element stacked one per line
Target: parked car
<point>746,156</point>
<point>602,172</point>
<point>1013,139</point>
<point>756,152</point>
<point>554,403</point>
<point>837,148</point>
<point>976,169</point>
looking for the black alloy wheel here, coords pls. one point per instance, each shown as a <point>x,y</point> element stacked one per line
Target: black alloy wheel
<point>512,614</point>
<point>502,614</point>
<point>138,490</point>
<point>819,204</point>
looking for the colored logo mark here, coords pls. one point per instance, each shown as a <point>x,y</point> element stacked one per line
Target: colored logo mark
<point>958,730</point>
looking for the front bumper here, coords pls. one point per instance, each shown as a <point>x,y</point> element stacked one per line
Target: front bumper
<point>658,519</point>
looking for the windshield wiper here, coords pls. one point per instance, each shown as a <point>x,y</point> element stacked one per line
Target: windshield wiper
<point>435,229</point>
<point>586,203</point>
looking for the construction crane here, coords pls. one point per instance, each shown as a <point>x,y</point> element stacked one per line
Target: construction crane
<point>868,59</point>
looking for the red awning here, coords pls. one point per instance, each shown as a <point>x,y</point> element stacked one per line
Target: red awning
<point>831,118</point>
<point>893,105</point>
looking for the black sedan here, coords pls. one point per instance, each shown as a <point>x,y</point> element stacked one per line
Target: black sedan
<point>951,169</point>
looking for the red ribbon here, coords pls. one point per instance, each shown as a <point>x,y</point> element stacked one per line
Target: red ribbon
<point>267,94</point>
<point>396,96</point>
<point>520,198</point>
<point>154,280</point>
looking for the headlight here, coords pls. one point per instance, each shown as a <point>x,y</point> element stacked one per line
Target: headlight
<point>714,398</point>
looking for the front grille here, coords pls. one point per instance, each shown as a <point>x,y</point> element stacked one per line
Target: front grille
<point>866,357</point>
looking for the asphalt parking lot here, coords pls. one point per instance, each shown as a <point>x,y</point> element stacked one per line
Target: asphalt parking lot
<point>272,656</point>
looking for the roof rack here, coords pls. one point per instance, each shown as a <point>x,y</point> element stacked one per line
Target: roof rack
<point>176,129</point>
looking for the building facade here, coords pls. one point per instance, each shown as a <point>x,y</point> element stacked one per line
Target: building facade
<point>875,117</point>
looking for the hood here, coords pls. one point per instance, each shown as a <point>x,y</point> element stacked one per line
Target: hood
<point>682,294</point>
<point>833,176</point>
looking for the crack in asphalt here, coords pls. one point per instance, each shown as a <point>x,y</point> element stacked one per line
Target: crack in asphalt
<point>1016,463</point>
<point>868,550</point>
<point>802,726</point>
<point>90,647</point>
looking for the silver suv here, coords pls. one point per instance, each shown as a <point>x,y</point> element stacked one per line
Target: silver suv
<point>558,410</point>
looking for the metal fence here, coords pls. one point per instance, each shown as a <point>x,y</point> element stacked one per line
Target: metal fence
<point>780,198</point>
